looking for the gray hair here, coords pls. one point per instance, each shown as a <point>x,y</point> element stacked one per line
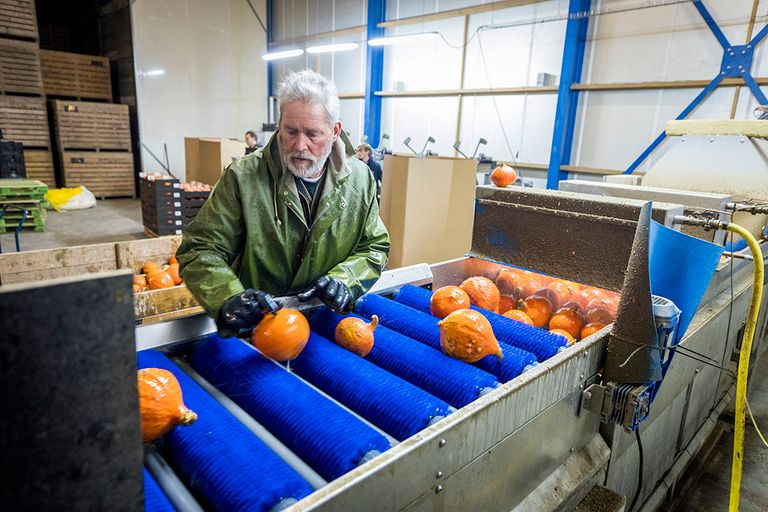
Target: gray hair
<point>312,88</point>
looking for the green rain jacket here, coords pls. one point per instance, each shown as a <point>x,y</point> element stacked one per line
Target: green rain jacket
<point>255,212</point>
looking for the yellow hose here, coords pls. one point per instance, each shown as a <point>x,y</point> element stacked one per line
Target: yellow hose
<point>746,349</point>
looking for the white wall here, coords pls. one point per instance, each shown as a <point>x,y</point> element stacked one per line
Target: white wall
<point>613,127</point>
<point>215,82</point>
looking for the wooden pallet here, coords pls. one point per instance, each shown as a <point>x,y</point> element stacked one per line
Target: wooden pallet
<point>75,75</point>
<point>25,120</point>
<point>86,125</point>
<point>20,68</point>
<point>39,164</point>
<point>105,174</point>
<point>18,19</point>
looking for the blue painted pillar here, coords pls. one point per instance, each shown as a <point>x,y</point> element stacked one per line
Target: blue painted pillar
<point>567,99</point>
<point>374,72</point>
<point>270,24</point>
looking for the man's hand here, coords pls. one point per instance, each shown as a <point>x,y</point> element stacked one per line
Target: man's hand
<point>244,311</point>
<point>332,292</point>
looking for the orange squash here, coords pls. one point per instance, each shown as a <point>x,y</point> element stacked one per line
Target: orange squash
<point>539,309</point>
<point>567,319</point>
<point>587,294</point>
<point>516,314</point>
<point>148,266</point>
<point>482,292</point>
<point>564,334</point>
<point>448,299</point>
<point>139,280</point>
<point>172,260</point>
<point>551,295</point>
<point>517,282</point>
<point>609,304</point>
<point>159,280</point>
<point>356,335</point>
<point>160,403</point>
<point>281,336</point>
<point>599,315</point>
<point>503,175</point>
<point>173,271</point>
<point>507,302</point>
<point>467,335</point>
<point>590,329</point>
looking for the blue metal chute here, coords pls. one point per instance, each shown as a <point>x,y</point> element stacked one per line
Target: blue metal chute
<point>394,405</point>
<point>540,342</point>
<point>223,462</point>
<point>155,499</point>
<point>423,328</point>
<point>449,379</point>
<point>328,438</point>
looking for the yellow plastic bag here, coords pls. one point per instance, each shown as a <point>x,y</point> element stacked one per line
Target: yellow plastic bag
<point>59,197</point>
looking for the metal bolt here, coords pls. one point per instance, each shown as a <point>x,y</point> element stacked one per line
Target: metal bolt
<point>728,67</point>
<point>723,73</point>
<point>741,140</point>
<point>587,395</point>
<point>682,139</point>
<point>571,450</point>
<point>439,474</point>
<point>743,52</point>
<point>442,443</point>
<point>749,46</point>
<point>711,139</point>
<point>697,370</point>
<point>581,376</point>
<point>438,489</point>
<point>581,386</point>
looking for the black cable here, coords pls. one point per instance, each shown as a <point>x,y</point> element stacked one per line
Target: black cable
<point>640,471</point>
<point>258,18</point>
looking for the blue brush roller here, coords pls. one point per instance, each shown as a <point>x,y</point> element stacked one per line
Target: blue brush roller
<point>155,499</point>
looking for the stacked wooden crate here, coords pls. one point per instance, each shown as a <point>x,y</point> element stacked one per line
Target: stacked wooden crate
<point>23,115</point>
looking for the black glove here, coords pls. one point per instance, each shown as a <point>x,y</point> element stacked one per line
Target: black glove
<point>332,292</point>
<point>244,311</point>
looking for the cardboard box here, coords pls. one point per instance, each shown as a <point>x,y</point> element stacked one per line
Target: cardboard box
<point>428,207</point>
<point>207,158</point>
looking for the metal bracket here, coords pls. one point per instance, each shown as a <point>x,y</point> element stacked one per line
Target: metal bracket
<point>737,61</point>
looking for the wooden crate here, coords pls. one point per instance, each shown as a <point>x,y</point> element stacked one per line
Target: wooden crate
<point>25,120</point>
<point>105,174</point>
<point>20,68</point>
<point>150,306</point>
<point>39,165</point>
<point>86,125</point>
<point>75,75</point>
<point>18,19</point>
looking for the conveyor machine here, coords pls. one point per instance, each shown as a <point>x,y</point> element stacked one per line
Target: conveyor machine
<point>408,428</point>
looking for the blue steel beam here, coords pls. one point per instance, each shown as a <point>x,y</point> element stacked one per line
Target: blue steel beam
<point>699,4</point>
<point>759,36</point>
<point>755,88</point>
<point>374,72</point>
<point>270,29</point>
<point>567,99</point>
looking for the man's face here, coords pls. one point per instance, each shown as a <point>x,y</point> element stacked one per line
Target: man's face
<point>306,138</point>
<point>250,140</point>
<point>363,154</point>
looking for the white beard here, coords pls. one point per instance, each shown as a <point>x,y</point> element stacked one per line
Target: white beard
<point>313,170</point>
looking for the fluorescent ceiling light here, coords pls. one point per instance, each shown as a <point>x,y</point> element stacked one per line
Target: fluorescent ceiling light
<point>406,39</point>
<point>282,55</point>
<point>154,72</point>
<point>339,47</point>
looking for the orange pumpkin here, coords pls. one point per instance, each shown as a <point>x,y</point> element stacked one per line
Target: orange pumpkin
<point>564,334</point>
<point>172,260</point>
<point>516,314</point>
<point>539,309</point>
<point>448,299</point>
<point>608,304</point>
<point>173,271</point>
<point>148,266</point>
<point>587,294</point>
<point>590,329</point>
<point>503,175</point>
<point>599,315</point>
<point>567,319</point>
<point>482,292</point>
<point>467,335</point>
<point>139,280</point>
<point>507,302</point>
<point>158,280</point>
<point>551,295</point>
<point>160,403</point>
<point>281,336</point>
<point>517,282</point>
<point>356,335</point>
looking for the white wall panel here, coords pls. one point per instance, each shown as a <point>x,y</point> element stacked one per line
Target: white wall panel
<point>352,120</point>
<point>214,83</point>
<point>419,118</point>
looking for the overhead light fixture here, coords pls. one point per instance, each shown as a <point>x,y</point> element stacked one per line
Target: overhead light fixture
<point>405,39</point>
<point>154,72</point>
<point>327,48</point>
<point>286,54</point>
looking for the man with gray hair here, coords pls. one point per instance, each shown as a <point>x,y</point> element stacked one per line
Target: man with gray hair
<point>300,213</point>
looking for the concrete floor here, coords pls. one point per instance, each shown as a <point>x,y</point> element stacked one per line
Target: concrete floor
<point>708,480</point>
<point>111,220</point>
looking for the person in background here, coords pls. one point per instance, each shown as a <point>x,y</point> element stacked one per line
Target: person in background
<point>364,153</point>
<point>251,142</point>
